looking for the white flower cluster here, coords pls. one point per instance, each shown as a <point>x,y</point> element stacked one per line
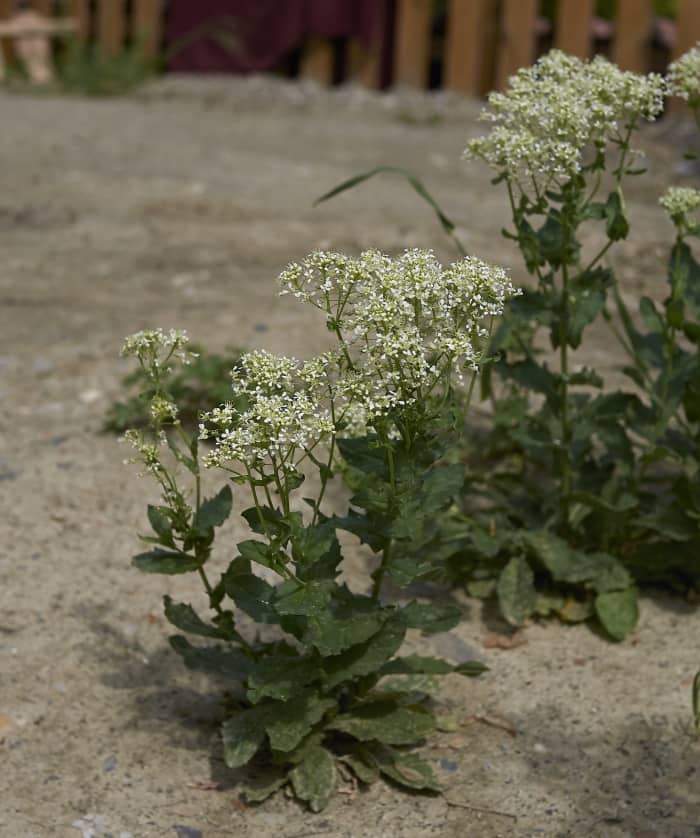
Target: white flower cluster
<point>403,323</point>
<point>684,76</point>
<point>556,110</point>
<point>286,413</point>
<point>680,201</point>
<point>154,348</point>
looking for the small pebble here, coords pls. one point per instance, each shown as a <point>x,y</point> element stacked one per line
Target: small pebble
<point>109,764</point>
<point>539,748</point>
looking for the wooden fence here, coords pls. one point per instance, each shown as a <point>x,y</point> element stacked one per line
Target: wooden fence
<point>484,41</point>
<point>479,45</point>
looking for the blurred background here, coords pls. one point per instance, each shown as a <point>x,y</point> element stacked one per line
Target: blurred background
<point>468,46</point>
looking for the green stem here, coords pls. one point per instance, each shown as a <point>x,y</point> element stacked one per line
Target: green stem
<point>386,552</point>
<point>564,463</point>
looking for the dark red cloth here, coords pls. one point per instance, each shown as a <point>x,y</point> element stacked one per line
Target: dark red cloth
<point>243,36</point>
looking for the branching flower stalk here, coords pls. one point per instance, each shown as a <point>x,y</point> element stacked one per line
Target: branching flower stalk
<point>315,702</point>
<point>550,139</point>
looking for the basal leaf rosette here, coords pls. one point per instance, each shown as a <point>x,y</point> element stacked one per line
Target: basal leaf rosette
<point>560,110</point>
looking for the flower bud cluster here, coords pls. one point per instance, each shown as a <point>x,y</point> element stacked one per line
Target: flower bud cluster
<point>684,76</point>
<point>147,450</point>
<point>557,110</point>
<point>679,202</point>
<point>154,348</point>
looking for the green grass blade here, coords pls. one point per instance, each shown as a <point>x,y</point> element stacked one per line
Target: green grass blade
<point>445,221</point>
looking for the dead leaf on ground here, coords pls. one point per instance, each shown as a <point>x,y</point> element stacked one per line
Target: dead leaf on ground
<point>493,721</point>
<point>6,723</point>
<point>494,640</point>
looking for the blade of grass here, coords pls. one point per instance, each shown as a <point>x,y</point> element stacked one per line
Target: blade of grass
<point>445,221</point>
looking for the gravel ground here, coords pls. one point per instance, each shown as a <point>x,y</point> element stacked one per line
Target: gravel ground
<point>178,206</point>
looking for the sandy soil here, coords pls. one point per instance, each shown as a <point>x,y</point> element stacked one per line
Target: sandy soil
<point>177,207</point>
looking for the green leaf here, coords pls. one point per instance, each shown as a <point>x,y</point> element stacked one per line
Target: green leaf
<point>408,770</point>
<point>516,591</point>
<point>364,772</point>
<point>291,721</point>
<point>617,227</point>
<point>242,735</point>
<point>314,779</point>
<point>214,511</point>
<point>184,617</point>
<point>417,665</point>
<point>430,619</point>
<point>587,295</point>
<point>216,660</point>
<point>165,561</point>
<point>383,721</point>
<point>250,593</point>
<point>618,612</point>
<point>281,677</point>
<point>650,316</point>
<point>471,668</point>
<point>316,551</point>
<point>568,565</point>
<point>259,789</point>
<point>260,553</point>
<point>365,658</point>
<point>159,520</point>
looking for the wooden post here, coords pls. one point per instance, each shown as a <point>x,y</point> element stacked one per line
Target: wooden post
<point>147,26</point>
<point>44,7</point>
<point>573,27</point>
<point>413,37</point>
<point>466,46</point>
<point>7,8</point>
<point>362,64</point>
<point>111,26</point>
<point>633,30</point>
<point>687,26</point>
<point>517,42</point>
<point>317,61</point>
<point>80,11</point>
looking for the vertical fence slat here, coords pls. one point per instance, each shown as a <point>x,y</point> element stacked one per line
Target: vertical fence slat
<point>466,46</point>
<point>147,32</point>
<point>517,42</point>
<point>317,61</point>
<point>633,29</point>
<point>111,26</point>
<point>362,64</point>
<point>44,7</point>
<point>573,27</point>
<point>7,7</point>
<point>687,26</point>
<point>412,48</point>
<point>80,11</point>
